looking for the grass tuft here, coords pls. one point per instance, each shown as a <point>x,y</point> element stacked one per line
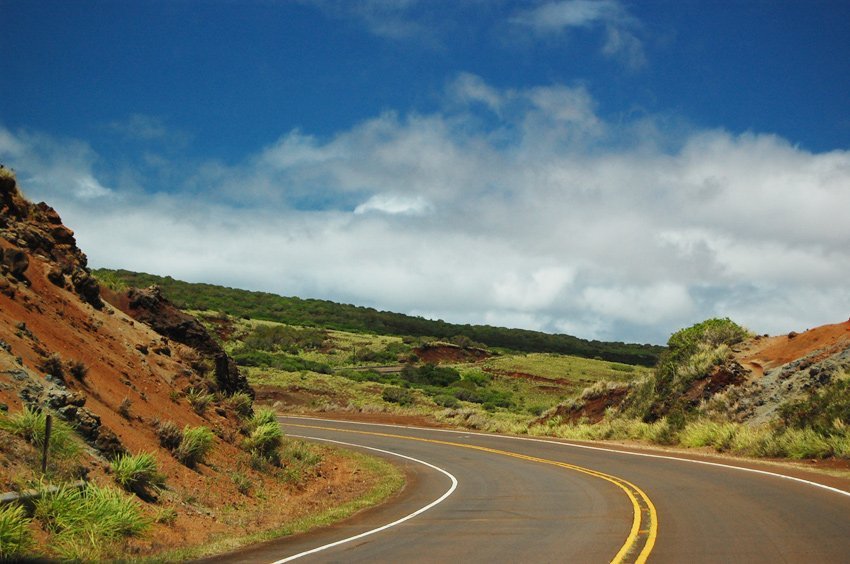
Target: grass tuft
<point>138,473</point>
<point>197,442</point>
<point>15,533</point>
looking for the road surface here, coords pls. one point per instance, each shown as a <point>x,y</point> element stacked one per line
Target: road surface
<point>485,498</point>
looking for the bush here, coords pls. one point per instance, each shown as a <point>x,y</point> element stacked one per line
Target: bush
<point>137,473</point>
<point>30,425</point>
<point>15,534</point>
<point>242,404</point>
<point>166,516</point>
<point>53,366</point>
<point>262,416</point>
<point>199,400</point>
<point>400,396</point>
<point>169,434</point>
<point>265,442</point>
<point>242,482</point>
<point>124,408</point>
<point>805,443</point>
<point>430,375</point>
<point>446,400</point>
<point>197,442</point>
<point>88,521</point>
<point>77,369</point>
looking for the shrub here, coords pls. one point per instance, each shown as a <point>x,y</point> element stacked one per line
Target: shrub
<point>400,396</point>
<point>166,516</point>
<point>446,400</point>
<point>77,369</point>
<point>169,434</point>
<point>137,473</point>
<point>262,416</point>
<point>196,444</point>
<point>88,520</point>
<point>265,442</point>
<point>430,375</point>
<point>199,400</point>
<point>15,534</point>
<point>242,482</point>
<point>30,425</point>
<point>124,408</point>
<point>805,443</point>
<point>242,404</point>
<point>53,366</point>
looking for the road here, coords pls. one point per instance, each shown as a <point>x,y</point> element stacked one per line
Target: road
<point>485,498</point>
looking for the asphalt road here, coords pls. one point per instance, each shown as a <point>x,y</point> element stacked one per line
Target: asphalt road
<point>489,499</point>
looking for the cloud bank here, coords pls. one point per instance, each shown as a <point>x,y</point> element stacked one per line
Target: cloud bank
<point>516,207</point>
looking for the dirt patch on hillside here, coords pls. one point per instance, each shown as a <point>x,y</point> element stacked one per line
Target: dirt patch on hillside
<point>764,353</point>
<point>444,353</point>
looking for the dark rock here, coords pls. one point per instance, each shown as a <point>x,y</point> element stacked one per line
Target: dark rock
<point>56,276</point>
<point>16,262</point>
<point>150,306</point>
<point>108,443</point>
<point>142,348</point>
<point>87,288</point>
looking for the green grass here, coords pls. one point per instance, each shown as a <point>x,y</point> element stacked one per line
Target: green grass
<point>265,442</point>
<point>30,425</point>
<point>137,473</point>
<point>15,534</point>
<point>88,523</point>
<point>197,442</point>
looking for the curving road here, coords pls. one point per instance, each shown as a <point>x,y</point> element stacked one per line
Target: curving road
<point>486,498</point>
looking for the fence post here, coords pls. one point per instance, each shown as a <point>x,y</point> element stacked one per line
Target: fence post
<point>48,426</point>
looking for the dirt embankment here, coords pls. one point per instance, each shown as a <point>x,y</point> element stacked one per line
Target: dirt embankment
<point>115,377</point>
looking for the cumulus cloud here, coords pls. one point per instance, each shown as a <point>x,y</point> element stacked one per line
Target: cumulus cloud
<point>554,18</point>
<point>544,216</point>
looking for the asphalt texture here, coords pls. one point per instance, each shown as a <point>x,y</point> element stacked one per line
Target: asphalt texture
<point>514,503</point>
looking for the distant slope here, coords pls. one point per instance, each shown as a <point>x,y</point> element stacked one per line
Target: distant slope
<point>346,317</point>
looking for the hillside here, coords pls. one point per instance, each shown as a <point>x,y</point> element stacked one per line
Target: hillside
<point>718,386</point>
<point>142,400</point>
<point>345,317</point>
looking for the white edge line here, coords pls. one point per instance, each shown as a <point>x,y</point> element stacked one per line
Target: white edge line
<point>554,441</point>
<point>388,525</point>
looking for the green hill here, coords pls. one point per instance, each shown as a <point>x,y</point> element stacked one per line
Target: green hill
<point>346,317</point>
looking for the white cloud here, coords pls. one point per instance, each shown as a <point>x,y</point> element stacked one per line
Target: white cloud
<point>394,204</point>
<point>548,218</point>
<point>557,16</point>
<point>553,18</point>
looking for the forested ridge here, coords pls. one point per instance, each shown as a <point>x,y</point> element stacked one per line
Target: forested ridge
<point>347,317</point>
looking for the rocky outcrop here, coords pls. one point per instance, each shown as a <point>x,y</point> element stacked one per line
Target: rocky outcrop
<point>149,306</point>
<point>37,229</point>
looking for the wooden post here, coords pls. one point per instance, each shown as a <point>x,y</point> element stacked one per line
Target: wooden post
<point>48,426</point>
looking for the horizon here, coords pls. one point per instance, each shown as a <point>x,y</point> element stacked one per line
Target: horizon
<point>605,169</point>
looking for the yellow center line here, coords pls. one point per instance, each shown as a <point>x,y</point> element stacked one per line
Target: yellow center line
<point>632,491</point>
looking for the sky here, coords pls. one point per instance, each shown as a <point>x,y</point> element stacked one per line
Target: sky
<point>609,169</point>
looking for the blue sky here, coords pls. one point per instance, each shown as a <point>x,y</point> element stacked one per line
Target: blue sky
<point>609,169</point>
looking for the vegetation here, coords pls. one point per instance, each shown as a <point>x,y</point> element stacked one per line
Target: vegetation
<point>87,523</point>
<point>170,435</point>
<point>265,442</point>
<point>199,400</point>
<point>30,425</point>
<point>326,314</point>
<point>196,443</point>
<point>15,534</point>
<point>138,473</point>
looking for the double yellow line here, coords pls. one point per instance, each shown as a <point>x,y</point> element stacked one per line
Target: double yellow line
<point>645,520</point>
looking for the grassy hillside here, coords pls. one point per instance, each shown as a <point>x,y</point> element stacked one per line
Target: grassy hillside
<point>310,370</point>
<point>346,317</point>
